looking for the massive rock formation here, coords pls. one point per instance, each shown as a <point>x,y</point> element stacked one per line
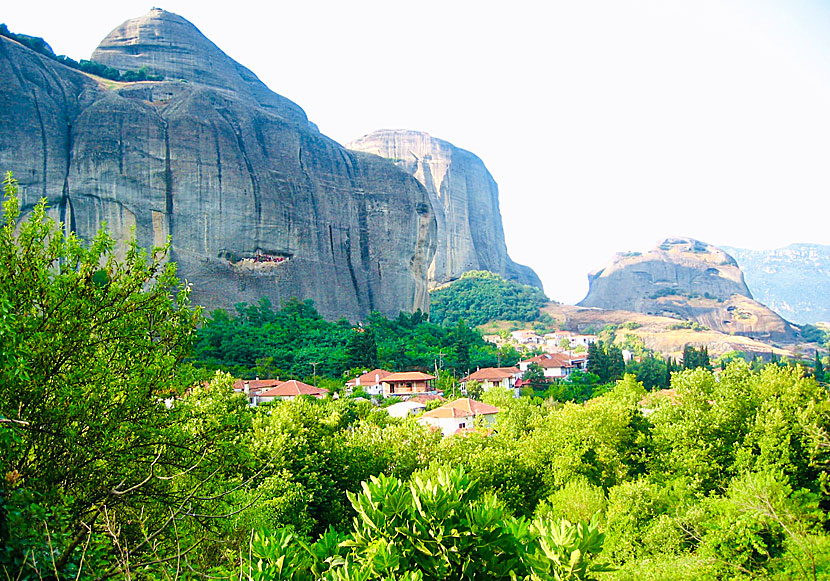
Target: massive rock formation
<point>690,280</point>
<point>465,199</point>
<point>256,201</point>
<point>794,280</point>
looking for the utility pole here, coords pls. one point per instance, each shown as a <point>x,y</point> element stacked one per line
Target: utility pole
<point>314,365</point>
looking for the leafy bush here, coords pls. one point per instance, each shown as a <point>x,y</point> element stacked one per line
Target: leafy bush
<point>440,529</point>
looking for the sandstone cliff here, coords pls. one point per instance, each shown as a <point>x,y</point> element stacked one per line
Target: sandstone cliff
<point>686,279</point>
<point>465,199</point>
<point>257,202</point>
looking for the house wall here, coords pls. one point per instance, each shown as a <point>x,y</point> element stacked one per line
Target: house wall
<point>450,426</point>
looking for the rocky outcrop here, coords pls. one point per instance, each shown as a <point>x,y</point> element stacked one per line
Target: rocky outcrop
<point>690,280</point>
<point>255,200</point>
<point>794,280</point>
<point>465,199</point>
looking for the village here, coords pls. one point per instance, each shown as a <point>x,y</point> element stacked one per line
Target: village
<point>557,354</point>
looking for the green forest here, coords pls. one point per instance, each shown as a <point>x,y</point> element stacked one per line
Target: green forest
<point>127,454</point>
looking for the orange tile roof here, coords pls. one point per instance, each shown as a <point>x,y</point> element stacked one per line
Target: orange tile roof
<point>293,388</point>
<point>492,373</point>
<point>461,408</point>
<point>368,378</point>
<point>239,384</point>
<point>407,376</point>
<point>424,398</point>
<point>549,360</point>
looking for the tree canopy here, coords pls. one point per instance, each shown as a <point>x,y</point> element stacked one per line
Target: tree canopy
<point>480,296</point>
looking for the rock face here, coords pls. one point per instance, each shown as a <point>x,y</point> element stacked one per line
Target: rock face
<point>465,199</point>
<point>794,280</point>
<point>690,280</point>
<point>256,201</point>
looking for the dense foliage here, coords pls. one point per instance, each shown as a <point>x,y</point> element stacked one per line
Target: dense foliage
<point>724,477</point>
<point>433,530</point>
<point>40,46</point>
<point>295,341</point>
<point>479,297</point>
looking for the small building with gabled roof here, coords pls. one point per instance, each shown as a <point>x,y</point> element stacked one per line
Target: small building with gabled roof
<point>490,377</point>
<point>371,382</point>
<point>459,415</point>
<point>291,389</point>
<point>407,383</point>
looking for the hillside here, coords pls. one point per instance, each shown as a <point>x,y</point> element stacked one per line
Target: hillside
<point>666,335</point>
<point>794,281</point>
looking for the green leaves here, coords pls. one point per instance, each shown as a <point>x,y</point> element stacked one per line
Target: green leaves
<point>440,528</point>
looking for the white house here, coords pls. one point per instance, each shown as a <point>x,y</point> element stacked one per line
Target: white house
<point>405,408</point>
<point>460,414</point>
<point>556,365</point>
<point>371,382</point>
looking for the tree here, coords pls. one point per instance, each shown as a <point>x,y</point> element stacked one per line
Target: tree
<point>92,344</point>
<point>534,376</point>
<point>605,361</point>
<point>818,368</point>
<point>361,349</point>
<point>696,358</point>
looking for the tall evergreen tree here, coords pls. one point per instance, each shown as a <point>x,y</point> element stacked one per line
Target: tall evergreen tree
<point>818,368</point>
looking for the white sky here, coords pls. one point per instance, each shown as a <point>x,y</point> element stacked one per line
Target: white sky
<point>608,125</point>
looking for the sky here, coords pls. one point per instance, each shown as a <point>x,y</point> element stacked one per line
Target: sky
<point>608,125</point>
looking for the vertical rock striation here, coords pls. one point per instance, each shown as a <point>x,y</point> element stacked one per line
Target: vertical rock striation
<point>465,199</point>
<point>254,199</point>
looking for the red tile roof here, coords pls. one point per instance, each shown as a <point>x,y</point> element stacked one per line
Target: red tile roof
<point>369,378</point>
<point>461,408</point>
<point>424,398</point>
<point>407,376</point>
<point>293,388</point>
<point>552,360</point>
<point>491,373</point>
<point>255,384</point>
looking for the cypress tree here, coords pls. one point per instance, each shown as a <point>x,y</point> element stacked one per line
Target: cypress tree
<point>818,368</point>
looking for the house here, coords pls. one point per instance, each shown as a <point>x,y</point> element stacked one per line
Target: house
<point>574,340</point>
<point>407,383</point>
<point>290,390</point>
<point>253,387</point>
<point>527,337</point>
<point>556,365</point>
<point>370,382</point>
<point>490,377</point>
<point>405,408</point>
<point>459,415</point>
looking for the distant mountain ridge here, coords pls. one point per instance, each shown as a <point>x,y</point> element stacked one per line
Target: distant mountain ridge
<point>794,280</point>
